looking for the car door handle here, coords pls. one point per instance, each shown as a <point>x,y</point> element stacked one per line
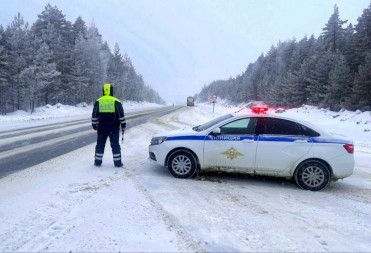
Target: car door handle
<point>301,141</point>
<point>248,141</point>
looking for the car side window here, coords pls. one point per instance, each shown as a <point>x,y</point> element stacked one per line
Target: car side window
<point>280,127</point>
<point>240,127</point>
<point>309,132</point>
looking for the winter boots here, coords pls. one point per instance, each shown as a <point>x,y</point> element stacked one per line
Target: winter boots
<point>98,163</point>
<point>118,164</point>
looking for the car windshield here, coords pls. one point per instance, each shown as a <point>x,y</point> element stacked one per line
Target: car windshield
<point>212,122</point>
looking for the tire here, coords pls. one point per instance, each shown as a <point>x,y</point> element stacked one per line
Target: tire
<point>312,175</point>
<point>182,164</point>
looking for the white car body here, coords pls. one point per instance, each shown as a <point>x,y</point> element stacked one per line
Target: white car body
<point>262,154</point>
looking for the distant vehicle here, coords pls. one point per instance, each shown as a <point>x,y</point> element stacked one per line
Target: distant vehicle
<point>261,144</point>
<point>190,101</point>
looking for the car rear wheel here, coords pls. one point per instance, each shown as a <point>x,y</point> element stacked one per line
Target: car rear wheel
<point>312,175</point>
<point>182,164</point>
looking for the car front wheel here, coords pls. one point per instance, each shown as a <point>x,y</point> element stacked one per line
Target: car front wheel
<point>312,175</point>
<point>182,164</point>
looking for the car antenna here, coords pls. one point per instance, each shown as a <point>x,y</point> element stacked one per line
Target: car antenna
<point>246,106</point>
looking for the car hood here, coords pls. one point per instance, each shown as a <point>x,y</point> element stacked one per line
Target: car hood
<point>179,132</point>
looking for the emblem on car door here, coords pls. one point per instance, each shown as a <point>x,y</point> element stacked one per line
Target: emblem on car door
<point>232,153</point>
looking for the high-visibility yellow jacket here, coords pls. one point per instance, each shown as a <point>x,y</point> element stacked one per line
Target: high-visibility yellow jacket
<point>108,111</point>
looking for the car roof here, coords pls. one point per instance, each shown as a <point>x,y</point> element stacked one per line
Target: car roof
<point>265,115</point>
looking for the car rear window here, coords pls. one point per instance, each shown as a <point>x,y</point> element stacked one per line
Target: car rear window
<point>309,132</point>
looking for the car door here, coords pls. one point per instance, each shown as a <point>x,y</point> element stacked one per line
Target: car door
<point>281,143</point>
<point>234,147</point>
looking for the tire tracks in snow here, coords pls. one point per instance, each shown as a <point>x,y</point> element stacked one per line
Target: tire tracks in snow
<point>70,198</point>
<point>173,121</point>
<point>188,243</point>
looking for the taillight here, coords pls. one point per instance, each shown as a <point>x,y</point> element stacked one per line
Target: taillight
<point>349,148</point>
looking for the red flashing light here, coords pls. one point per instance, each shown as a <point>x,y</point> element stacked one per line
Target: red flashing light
<point>349,148</point>
<point>259,109</point>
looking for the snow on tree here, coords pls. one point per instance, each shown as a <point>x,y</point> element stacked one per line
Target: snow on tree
<point>331,71</point>
<point>115,71</point>
<point>339,89</point>
<point>18,50</point>
<point>40,74</point>
<point>80,78</point>
<point>78,54</point>
<point>333,32</point>
<point>362,37</point>
<point>4,74</point>
<point>79,27</point>
<point>362,85</point>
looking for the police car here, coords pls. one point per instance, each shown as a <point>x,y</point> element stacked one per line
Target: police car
<point>261,144</point>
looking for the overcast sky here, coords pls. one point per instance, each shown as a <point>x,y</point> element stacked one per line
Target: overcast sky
<point>180,45</point>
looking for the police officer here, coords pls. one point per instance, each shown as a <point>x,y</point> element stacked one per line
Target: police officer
<point>107,116</point>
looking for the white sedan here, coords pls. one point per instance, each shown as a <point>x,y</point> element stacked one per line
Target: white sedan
<point>258,144</point>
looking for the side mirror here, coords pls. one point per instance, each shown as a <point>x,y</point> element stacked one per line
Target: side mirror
<point>216,131</point>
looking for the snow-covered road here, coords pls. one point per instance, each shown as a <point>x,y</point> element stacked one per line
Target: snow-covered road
<point>67,204</point>
<point>20,149</point>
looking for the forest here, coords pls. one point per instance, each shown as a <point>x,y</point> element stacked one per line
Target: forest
<point>57,61</point>
<point>331,71</point>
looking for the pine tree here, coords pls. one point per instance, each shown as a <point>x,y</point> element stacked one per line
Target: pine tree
<point>40,74</point>
<point>294,89</point>
<point>318,79</point>
<point>129,78</point>
<point>52,15</point>
<point>362,36</point>
<point>105,56</point>
<point>80,79</point>
<point>79,27</point>
<point>333,32</point>
<point>3,58</point>
<point>350,49</point>
<point>55,31</point>
<point>362,85</point>
<point>115,71</point>
<point>256,76</point>
<point>4,76</point>
<point>339,89</point>
<point>18,50</point>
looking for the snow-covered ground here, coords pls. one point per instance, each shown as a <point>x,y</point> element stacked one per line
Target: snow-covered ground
<point>67,204</point>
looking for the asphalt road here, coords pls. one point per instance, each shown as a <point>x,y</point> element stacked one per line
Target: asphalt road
<point>23,148</point>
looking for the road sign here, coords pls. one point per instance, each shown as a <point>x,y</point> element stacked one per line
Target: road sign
<point>213,98</point>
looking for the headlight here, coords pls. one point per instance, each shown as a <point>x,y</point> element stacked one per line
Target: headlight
<point>158,140</point>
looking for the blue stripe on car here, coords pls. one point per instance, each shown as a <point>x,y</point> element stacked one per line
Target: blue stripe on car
<point>280,139</point>
<point>335,141</point>
<point>190,138</point>
<point>261,138</point>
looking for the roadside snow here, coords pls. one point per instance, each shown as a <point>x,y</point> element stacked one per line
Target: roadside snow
<point>66,204</point>
<point>50,114</point>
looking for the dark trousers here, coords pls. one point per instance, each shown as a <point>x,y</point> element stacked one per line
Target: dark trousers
<point>103,134</point>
